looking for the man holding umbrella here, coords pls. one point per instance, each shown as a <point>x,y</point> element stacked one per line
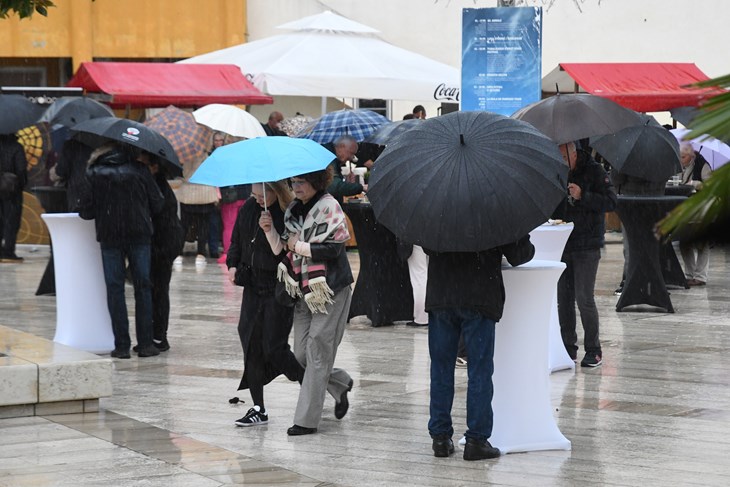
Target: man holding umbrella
<point>590,196</point>
<point>122,198</point>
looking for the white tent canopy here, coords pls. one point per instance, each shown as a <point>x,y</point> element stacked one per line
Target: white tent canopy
<point>331,56</point>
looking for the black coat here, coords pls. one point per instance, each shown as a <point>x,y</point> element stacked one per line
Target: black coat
<point>71,168</point>
<point>473,280</point>
<point>121,198</point>
<point>250,252</point>
<point>12,159</point>
<point>588,213</point>
<point>168,237</point>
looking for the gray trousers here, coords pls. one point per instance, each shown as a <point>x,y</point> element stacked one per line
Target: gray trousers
<point>316,338</point>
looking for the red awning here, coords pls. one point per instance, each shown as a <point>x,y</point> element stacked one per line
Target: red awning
<point>146,85</point>
<point>644,87</point>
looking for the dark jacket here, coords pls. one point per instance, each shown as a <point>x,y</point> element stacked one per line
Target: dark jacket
<point>273,132</point>
<point>250,252</point>
<point>12,160</point>
<point>121,199</point>
<point>71,168</point>
<point>168,237</point>
<point>588,213</point>
<point>339,187</point>
<point>473,280</point>
<point>339,274</point>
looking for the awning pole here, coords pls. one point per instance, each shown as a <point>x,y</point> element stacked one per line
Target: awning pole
<point>324,105</point>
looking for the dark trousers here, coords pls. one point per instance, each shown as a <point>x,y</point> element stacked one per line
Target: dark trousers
<point>10,212</point>
<point>195,220</point>
<point>576,285</point>
<point>114,274</point>
<point>160,274</point>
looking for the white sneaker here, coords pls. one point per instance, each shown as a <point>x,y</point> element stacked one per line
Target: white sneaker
<point>178,261</point>
<point>200,260</point>
<point>462,441</point>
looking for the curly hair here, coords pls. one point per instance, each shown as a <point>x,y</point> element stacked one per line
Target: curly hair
<point>319,179</point>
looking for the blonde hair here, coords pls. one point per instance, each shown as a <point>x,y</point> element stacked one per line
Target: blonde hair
<point>283,192</point>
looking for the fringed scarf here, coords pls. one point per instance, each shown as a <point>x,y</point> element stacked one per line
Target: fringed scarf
<point>303,277</point>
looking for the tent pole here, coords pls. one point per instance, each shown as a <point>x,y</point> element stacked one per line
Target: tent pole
<point>324,105</point>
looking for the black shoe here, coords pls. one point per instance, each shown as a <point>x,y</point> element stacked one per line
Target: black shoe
<point>442,447</point>
<point>161,345</point>
<point>254,417</point>
<point>148,351</point>
<point>120,353</point>
<point>11,259</point>
<point>414,324</point>
<point>476,450</point>
<point>592,359</point>
<point>297,430</point>
<point>343,405</point>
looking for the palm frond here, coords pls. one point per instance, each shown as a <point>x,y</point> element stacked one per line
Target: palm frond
<point>706,214</point>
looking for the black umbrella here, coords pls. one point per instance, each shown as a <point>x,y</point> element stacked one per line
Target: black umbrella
<point>17,112</point>
<point>644,151</point>
<point>571,117</point>
<point>467,181</point>
<point>70,110</point>
<point>384,134</point>
<point>97,131</point>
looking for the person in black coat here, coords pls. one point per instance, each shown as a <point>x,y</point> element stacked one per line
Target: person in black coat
<point>264,324</point>
<point>71,168</point>
<point>12,161</point>
<point>121,198</point>
<point>590,196</point>
<point>167,243</point>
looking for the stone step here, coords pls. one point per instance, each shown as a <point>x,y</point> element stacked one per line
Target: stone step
<point>41,377</point>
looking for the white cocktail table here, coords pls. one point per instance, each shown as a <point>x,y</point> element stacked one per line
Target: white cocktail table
<point>82,316</point>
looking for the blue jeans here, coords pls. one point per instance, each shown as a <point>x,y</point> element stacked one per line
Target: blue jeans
<point>444,328</point>
<point>576,286</point>
<point>138,256</point>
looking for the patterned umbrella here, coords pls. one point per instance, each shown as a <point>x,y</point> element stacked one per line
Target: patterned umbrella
<point>36,142</point>
<point>357,123</point>
<point>189,139</point>
<point>292,126</point>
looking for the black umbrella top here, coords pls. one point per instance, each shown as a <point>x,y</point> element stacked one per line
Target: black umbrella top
<point>17,112</point>
<point>96,132</point>
<point>71,110</point>
<point>467,181</point>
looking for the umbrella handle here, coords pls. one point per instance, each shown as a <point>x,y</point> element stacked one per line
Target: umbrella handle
<point>266,207</point>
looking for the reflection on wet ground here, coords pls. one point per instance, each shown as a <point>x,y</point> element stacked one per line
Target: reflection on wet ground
<point>657,411</point>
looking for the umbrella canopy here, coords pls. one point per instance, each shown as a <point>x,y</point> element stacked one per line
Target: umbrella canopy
<point>384,134</point>
<point>261,160</point>
<point>644,151</point>
<point>329,55</point>
<point>70,110</point>
<point>715,151</point>
<point>292,126</point>
<point>357,123</point>
<point>229,119</point>
<point>467,181</point>
<point>189,139</point>
<point>16,112</point>
<point>98,131</point>
<point>571,117</point>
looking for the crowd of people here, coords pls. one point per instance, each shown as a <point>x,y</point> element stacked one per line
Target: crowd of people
<point>284,243</point>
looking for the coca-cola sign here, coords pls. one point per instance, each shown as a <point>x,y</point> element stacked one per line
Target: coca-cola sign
<point>443,92</point>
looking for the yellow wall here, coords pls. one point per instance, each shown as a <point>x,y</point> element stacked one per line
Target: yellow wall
<point>86,29</point>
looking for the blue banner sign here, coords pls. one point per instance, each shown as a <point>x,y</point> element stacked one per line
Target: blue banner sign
<point>501,62</point>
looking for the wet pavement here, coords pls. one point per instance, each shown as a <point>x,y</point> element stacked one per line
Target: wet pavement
<point>656,412</point>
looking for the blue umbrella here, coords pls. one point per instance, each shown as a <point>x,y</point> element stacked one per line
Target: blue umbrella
<point>261,160</point>
<point>357,123</point>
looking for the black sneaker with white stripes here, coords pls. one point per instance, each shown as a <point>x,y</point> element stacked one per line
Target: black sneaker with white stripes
<point>254,417</point>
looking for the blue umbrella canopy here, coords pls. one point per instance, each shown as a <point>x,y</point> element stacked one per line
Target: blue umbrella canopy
<point>467,181</point>
<point>261,160</point>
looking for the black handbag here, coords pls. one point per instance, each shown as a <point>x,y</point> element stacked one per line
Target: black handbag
<point>243,276</point>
